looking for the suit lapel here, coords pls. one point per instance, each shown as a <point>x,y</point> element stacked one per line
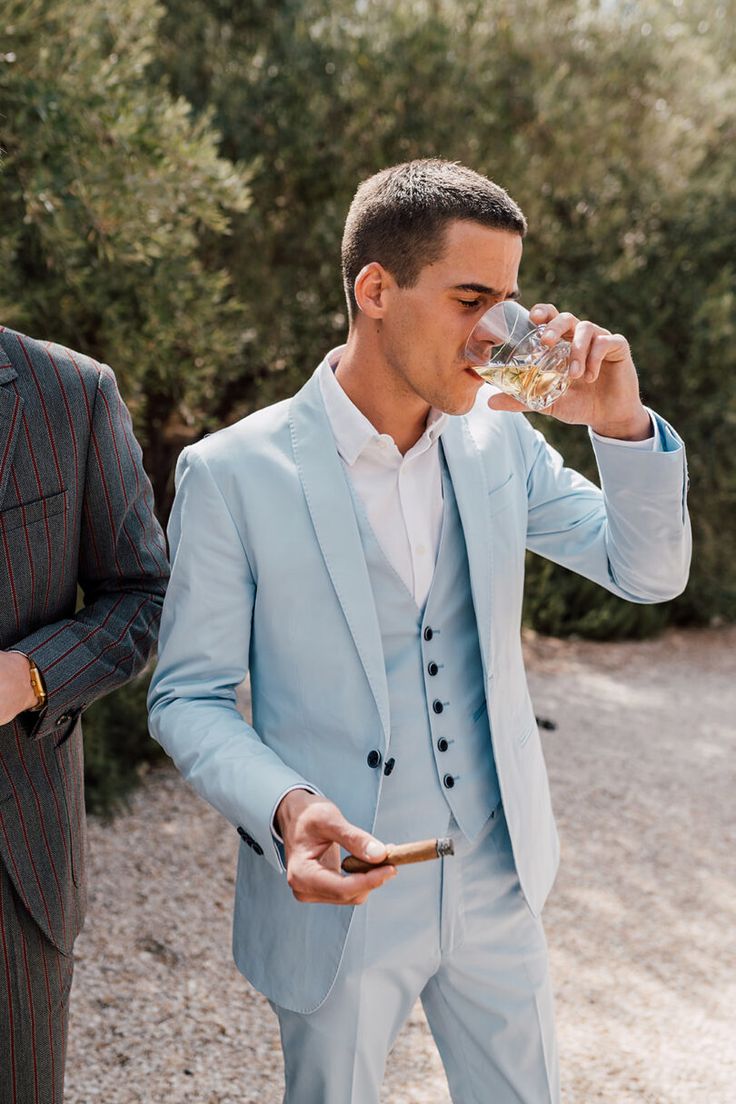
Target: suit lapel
<point>333,516</point>
<point>469,483</point>
<point>11,405</point>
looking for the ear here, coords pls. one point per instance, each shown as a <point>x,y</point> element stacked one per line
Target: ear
<point>371,285</point>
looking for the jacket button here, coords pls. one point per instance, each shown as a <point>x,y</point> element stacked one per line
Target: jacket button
<point>428,634</point>
<point>449,781</point>
<point>442,744</point>
<point>432,668</point>
<point>390,764</point>
<point>62,720</point>
<point>374,758</point>
<point>437,706</point>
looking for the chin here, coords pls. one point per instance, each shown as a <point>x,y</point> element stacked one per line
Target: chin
<point>456,400</point>
<point>456,407</point>
<point>464,403</point>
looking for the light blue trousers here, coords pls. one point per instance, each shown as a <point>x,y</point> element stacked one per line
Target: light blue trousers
<point>458,934</point>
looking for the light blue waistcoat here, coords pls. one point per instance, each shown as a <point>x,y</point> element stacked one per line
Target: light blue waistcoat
<point>440,757</point>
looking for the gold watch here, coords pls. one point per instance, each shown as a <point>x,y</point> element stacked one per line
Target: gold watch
<point>38,687</point>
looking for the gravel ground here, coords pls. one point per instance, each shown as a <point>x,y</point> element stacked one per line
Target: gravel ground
<point>640,923</point>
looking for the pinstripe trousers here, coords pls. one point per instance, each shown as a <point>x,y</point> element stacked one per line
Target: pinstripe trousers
<point>35,982</point>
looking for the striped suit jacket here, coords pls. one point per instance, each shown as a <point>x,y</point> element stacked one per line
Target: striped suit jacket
<point>76,508</point>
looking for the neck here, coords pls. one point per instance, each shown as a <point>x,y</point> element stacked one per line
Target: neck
<point>387,402</point>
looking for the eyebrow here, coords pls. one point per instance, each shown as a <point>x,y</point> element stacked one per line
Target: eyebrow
<point>483,289</point>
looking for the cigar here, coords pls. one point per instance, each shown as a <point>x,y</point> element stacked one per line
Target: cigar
<point>398,854</point>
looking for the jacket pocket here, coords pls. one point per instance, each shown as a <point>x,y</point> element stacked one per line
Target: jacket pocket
<point>502,495</point>
<point>31,512</point>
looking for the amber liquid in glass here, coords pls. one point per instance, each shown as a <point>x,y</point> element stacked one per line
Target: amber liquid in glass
<point>535,381</point>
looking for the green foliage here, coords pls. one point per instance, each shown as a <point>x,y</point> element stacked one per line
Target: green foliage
<point>115,202</point>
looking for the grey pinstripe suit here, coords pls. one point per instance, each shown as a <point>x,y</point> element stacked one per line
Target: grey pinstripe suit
<point>75,508</point>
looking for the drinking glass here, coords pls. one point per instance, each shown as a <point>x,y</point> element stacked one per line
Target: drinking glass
<point>505,348</point>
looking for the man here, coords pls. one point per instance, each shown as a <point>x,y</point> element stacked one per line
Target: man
<point>76,508</point>
<point>360,550</point>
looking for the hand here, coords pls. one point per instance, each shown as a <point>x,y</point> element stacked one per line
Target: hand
<point>313,829</point>
<point>604,393</point>
<point>16,691</point>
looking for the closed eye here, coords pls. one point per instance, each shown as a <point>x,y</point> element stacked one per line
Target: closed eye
<point>471,304</point>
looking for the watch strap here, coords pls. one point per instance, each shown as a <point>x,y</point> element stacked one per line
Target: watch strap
<point>37,683</point>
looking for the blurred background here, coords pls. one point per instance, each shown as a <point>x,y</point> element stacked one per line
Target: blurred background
<point>175,178</point>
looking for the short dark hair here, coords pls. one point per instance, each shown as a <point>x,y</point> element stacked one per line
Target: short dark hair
<point>399,216</point>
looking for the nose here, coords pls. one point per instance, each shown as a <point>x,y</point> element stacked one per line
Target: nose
<point>480,344</point>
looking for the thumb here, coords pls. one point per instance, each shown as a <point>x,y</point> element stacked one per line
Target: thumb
<point>500,401</point>
<point>359,843</point>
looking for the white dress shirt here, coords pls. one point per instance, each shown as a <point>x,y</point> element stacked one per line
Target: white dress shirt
<point>402,495</point>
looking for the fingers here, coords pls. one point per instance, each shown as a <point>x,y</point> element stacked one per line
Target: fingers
<point>583,339</point>
<point>606,346</point>
<point>591,346</point>
<point>320,823</point>
<point>356,841</point>
<point>313,857</point>
<point>310,881</point>
<point>542,313</point>
<point>500,401</point>
<point>561,325</point>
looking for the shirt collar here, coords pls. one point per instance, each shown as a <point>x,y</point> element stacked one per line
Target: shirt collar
<point>353,432</point>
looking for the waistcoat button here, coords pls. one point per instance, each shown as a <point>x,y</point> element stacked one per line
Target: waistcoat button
<point>374,758</point>
<point>449,781</point>
<point>437,706</point>
<point>428,634</point>
<point>442,744</point>
<point>432,668</point>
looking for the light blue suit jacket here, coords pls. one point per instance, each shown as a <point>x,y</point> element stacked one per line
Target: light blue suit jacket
<point>269,577</point>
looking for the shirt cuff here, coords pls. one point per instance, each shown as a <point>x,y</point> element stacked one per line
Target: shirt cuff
<point>650,444</point>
